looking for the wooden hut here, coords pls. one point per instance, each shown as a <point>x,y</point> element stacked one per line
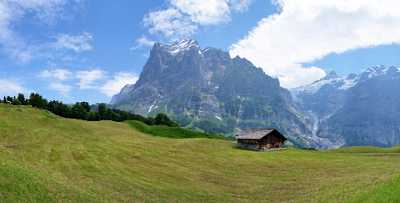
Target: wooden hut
<point>260,139</point>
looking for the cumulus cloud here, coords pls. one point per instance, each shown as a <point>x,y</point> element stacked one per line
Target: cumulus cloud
<point>10,87</point>
<point>119,80</point>
<point>78,43</point>
<point>88,78</point>
<point>169,22</point>
<point>208,12</point>
<point>306,30</point>
<point>183,17</point>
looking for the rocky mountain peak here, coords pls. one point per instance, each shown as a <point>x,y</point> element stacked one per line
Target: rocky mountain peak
<point>178,46</point>
<point>208,90</point>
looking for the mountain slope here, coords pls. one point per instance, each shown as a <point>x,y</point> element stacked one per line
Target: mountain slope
<point>45,158</point>
<point>360,109</point>
<point>207,89</point>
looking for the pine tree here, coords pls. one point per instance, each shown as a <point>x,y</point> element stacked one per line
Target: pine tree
<point>21,99</point>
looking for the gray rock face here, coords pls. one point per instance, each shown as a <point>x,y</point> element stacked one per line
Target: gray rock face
<point>207,89</point>
<point>360,109</point>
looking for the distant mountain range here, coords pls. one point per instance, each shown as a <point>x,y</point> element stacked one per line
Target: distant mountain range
<point>205,88</point>
<point>359,109</point>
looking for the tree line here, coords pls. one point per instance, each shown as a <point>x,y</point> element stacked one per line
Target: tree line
<point>85,111</point>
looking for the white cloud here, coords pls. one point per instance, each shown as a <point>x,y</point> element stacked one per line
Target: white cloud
<point>169,22</point>
<point>78,43</point>
<point>240,5</point>
<point>183,17</point>
<point>10,87</point>
<point>307,30</point>
<point>59,74</point>
<point>57,78</point>
<point>143,42</point>
<point>65,81</point>
<point>61,88</point>
<point>13,11</point>
<point>45,10</point>
<point>204,12</point>
<point>114,86</point>
<point>88,78</point>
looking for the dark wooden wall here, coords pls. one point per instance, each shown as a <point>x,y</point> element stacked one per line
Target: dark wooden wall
<point>273,140</point>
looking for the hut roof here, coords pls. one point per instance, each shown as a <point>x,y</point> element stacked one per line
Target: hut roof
<point>256,134</point>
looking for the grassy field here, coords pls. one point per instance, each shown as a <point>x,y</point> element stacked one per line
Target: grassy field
<point>45,158</point>
<point>171,132</point>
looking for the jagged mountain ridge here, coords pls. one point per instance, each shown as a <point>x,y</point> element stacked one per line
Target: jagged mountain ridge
<point>209,90</point>
<point>361,109</point>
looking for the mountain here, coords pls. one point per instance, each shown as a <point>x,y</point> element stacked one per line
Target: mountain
<point>209,90</point>
<point>361,109</point>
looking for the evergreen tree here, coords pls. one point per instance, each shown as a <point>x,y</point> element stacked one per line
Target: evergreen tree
<point>15,101</point>
<point>9,100</point>
<point>93,116</point>
<point>79,111</point>
<point>162,119</point>
<point>82,110</point>
<point>102,110</point>
<point>37,101</point>
<point>85,105</point>
<point>59,108</point>
<point>21,99</point>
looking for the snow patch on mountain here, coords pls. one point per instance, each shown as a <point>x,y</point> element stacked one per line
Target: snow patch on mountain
<point>332,79</point>
<point>181,46</point>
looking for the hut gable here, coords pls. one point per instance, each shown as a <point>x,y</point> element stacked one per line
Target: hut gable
<point>260,139</point>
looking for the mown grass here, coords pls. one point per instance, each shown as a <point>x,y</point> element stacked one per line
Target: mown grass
<point>171,132</point>
<point>368,149</point>
<point>386,192</point>
<point>45,158</point>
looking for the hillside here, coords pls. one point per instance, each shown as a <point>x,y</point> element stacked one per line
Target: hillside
<point>46,158</point>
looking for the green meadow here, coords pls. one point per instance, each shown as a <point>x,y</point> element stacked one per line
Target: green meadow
<point>46,158</point>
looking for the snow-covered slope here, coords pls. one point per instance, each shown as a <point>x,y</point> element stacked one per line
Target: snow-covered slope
<point>180,46</point>
<point>332,79</point>
<point>344,82</point>
<point>357,109</point>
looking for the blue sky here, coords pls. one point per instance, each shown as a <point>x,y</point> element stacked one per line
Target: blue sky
<point>86,50</point>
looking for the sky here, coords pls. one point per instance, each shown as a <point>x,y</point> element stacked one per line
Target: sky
<point>87,50</point>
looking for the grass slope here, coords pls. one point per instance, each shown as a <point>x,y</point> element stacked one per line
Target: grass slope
<point>171,132</point>
<point>45,158</point>
<point>368,149</point>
